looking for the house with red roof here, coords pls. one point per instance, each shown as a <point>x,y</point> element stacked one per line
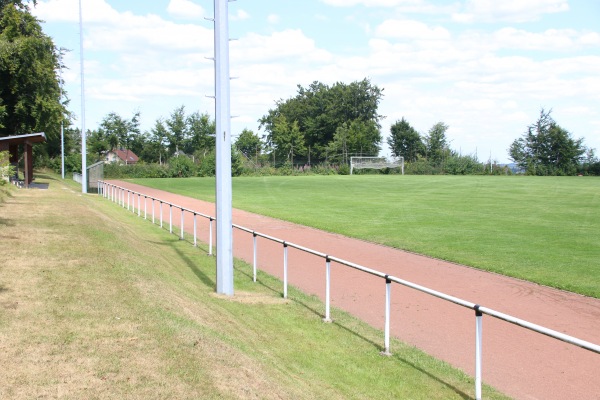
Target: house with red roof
<point>121,156</point>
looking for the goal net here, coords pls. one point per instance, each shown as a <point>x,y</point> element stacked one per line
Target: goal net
<point>375,163</point>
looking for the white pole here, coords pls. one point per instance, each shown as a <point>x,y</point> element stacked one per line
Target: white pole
<point>83,138</point>
<point>285,269</point>
<point>388,296</point>
<point>210,237</point>
<point>223,148</point>
<point>195,232</point>
<point>327,290</point>
<point>62,117</point>
<point>255,256</point>
<point>181,228</point>
<point>478,355</point>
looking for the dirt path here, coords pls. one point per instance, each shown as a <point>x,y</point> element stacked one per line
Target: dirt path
<point>520,363</point>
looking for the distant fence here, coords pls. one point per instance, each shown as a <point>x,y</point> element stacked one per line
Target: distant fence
<point>127,199</point>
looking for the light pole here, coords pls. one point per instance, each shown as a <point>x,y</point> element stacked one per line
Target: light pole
<point>83,138</point>
<point>223,148</point>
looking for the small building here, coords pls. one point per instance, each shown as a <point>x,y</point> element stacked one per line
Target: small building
<point>12,143</point>
<point>121,156</point>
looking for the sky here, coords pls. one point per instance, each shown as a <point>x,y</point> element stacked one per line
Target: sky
<point>483,67</point>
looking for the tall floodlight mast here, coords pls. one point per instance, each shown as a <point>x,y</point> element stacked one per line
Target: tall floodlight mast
<point>62,116</point>
<point>83,138</point>
<point>223,143</point>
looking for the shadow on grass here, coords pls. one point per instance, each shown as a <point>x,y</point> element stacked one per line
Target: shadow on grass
<point>7,222</point>
<point>349,330</point>
<point>208,281</point>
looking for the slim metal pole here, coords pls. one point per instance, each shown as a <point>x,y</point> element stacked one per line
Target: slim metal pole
<point>170,218</point>
<point>139,205</point>
<point>161,214</point>
<point>181,235</point>
<point>285,269</point>
<point>478,348</point>
<point>254,239</point>
<point>327,289</point>
<point>195,232</point>
<point>210,237</point>
<point>145,207</point>
<point>388,295</point>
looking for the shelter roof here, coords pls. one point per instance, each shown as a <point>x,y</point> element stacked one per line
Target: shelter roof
<point>18,139</point>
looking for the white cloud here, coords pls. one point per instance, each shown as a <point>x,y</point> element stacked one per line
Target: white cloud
<point>407,29</point>
<point>273,19</point>
<point>371,3</point>
<point>68,11</point>
<point>240,15</point>
<point>508,10</point>
<point>185,9</point>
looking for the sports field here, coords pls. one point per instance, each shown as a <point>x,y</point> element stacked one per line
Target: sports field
<point>542,229</point>
<point>96,303</point>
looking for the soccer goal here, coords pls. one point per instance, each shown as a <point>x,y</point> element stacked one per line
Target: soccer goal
<point>375,163</point>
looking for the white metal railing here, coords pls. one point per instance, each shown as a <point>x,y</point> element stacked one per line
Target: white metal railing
<point>117,195</point>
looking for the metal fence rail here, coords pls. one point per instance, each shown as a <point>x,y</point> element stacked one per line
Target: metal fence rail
<point>117,194</point>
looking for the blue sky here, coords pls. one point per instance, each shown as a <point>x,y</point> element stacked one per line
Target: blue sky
<point>483,67</point>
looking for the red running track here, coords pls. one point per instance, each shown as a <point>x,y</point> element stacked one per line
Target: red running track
<point>518,362</point>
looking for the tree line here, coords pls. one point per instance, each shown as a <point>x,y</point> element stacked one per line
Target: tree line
<point>320,125</point>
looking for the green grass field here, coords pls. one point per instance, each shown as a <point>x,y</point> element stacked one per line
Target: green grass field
<point>97,303</point>
<point>542,229</point>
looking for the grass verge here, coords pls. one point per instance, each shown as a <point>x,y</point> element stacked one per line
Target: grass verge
<point>97,303</point>
<point>542,229</point>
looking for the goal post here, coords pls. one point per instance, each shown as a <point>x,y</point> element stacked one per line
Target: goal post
<point>375,163</point>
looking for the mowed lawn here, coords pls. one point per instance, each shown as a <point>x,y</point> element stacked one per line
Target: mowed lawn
<point>542,229</point>
<point>97,303</point>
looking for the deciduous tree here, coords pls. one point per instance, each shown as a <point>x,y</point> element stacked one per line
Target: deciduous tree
<point>405,141</point>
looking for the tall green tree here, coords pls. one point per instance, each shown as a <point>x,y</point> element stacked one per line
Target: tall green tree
<point>405,141</point>
<point>249,144</point>
<point>436,144</point>
<point>176,129</point>
<point>200,134</point>
<point>288,141</point>
<point>547,149</point>
<point>320,110</point>
<point>156,149</point>
<point>356,138</point>
<point>30,96</point>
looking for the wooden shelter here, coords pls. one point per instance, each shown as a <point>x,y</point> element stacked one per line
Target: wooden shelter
<point>11,144</point>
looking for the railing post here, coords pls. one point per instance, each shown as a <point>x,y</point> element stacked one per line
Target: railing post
<point>210,236</point>
<point>123,197</point>
<point>285,269</point>
<point>195,234</point>
<point>160,212</point>
<point>128,201</point>
<point>478,348</point>
<point>181,235</point>
<point>327,289</point>
<point>152,210</point>
<point>139,205</point>
<point>255,245</point>
<point>170,218</point>
<point>145,207</point>
<point>388,296</point>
